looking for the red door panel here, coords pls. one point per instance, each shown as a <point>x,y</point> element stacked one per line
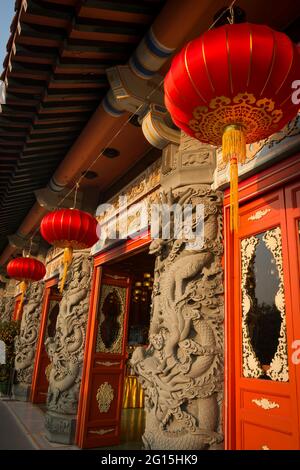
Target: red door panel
<point>259,437</point>
<point>261,314</point>
<point>102,393</point>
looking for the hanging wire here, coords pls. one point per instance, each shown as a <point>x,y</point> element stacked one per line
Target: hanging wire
<point>27,255</point>
<point>231,12</point>
<point>30,246</point>
<point>75,195</point>
<point>110,142</point>
<point>230,18</point>
<point>77,184</point>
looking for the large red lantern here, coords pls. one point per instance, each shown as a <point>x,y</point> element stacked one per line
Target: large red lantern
<point>70,229</point>
<point>233,86</point>
<point>25,269</point>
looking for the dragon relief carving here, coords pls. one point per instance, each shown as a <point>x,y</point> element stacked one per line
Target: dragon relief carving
<point>26,341</point>
<point>7,305</point>
<point>66,348</point>
<point>181,371</point>
<point>2,304</point>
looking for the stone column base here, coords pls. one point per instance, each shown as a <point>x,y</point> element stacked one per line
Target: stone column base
<point>21,392</point>
<point>60,428</point>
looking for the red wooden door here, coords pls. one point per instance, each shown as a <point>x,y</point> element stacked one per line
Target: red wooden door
<point>48,322</point>
<point>260,287</point>
<point>102,391</point>
<point>292,198</point>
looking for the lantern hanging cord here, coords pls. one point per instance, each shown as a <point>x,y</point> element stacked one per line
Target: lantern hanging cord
<point>75,195</point>
<point>230,9</point>
<point>76,185</point>
<point>230,19</point>
<point>30,246</point>
<point>108,144</point>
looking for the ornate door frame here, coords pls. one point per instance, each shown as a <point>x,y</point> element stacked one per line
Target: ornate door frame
<point>292,198</point>
<point>273,179</point>
<point>40,344</point>
<point>129,247</point>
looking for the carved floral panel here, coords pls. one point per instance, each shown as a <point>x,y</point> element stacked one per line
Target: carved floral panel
<point>263,307</point>
<point>104,397</point>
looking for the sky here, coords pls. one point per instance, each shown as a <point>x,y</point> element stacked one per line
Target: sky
<point>6,16</point>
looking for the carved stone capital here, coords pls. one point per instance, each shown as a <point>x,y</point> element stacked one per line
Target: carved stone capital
<point>190,163</point>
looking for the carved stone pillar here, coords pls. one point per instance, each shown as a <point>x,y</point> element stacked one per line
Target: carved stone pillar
<point>2,304</point>
<point>7,304</point>
<point>26,341</point>
<point>182,369</point>
<point>66,352</point>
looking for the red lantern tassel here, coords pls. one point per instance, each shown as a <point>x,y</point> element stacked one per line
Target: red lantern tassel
<point>234,195</point>
<point>23,287</point>
<point>68,255</point>
<point>234,151</point>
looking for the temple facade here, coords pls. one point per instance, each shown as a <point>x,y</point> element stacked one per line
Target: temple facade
<point>184,345</point>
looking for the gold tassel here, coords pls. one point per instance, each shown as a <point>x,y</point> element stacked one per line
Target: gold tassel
<point>234,195</point>
<point>234,143</point>
<point>23,287</point>
<point>234,151</point>
<point>68,254</point>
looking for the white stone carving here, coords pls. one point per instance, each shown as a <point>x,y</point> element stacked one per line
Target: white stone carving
<point>66,349</point>
<point>181,371</point>
<point>26,341</point>
<point>2,352</point>
<point>7,305</point>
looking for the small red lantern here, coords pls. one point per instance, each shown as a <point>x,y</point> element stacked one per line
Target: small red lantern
<point>25,270</point>
<point>232,87</point>
<point>70,229</point>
